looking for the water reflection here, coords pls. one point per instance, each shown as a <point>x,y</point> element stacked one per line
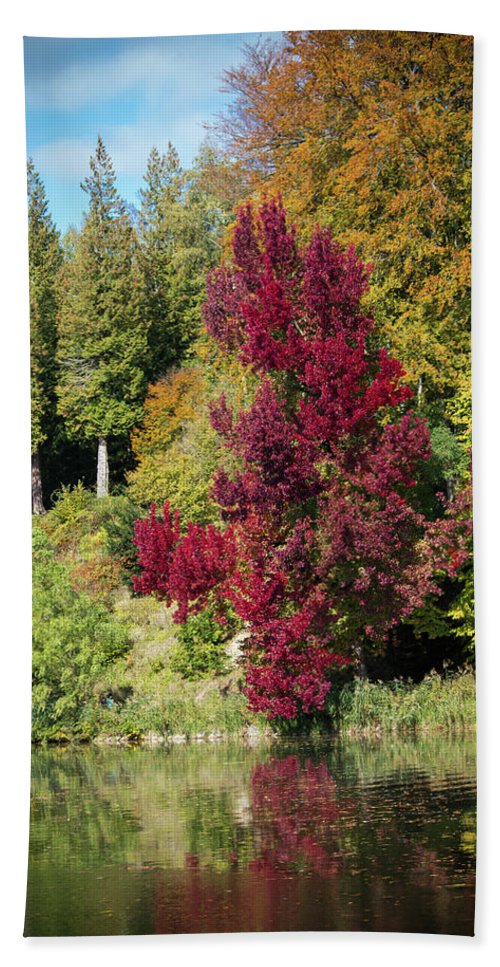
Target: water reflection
<point>340,836</point>
<point>296,810</point>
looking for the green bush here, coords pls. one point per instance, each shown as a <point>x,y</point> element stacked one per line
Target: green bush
<point>116,515</point>
<point>95,532</point>
<point>200,650</point>
<point>71,516</point>
<point>74,639</point>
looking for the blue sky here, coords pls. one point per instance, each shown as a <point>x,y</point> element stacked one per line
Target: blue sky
<point>134,92</point>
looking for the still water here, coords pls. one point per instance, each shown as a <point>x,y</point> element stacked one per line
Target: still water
<point>337,835</point>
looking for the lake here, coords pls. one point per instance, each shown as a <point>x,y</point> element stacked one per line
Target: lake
<point>294,835</point>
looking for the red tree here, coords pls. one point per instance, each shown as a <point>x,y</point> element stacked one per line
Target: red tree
<point>322,552</point>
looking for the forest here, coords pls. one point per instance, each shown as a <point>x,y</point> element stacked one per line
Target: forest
<point>251,410</point>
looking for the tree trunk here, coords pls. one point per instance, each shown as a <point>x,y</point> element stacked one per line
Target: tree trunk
<point>102,468</point>
<point>359,651</point>
<point>36,484</point>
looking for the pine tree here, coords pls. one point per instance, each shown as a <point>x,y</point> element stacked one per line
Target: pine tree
<point>178,228</point>
<point>45,258</point>
<point>163,179</point>
<point>162,191</point>
<point>102,335</point>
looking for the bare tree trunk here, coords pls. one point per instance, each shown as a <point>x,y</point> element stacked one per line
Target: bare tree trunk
<point>102,468</point>
<point>359,651</point>
<point>36,484</point>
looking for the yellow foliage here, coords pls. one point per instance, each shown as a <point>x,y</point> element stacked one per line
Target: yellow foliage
<point>169,403</point>
<point>176,449</point>
<point>370,132</point>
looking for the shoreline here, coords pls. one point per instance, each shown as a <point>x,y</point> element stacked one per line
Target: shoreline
<point>438,704</point>
<point>150,742</point>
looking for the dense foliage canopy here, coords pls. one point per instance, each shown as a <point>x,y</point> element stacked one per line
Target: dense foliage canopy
<point>322,546</point>
<point>45,259</point>
<point>102,335</point>
<point>370,134</point>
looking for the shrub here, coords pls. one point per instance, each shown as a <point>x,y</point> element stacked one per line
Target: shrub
<point>74,639</point>
<point>70,517</point>
<point>437,702</point>
<point>200,650</point>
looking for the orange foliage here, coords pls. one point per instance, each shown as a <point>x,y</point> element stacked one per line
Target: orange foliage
<point>170,402</point>
<point>370,133</point>
<point>97,576</point>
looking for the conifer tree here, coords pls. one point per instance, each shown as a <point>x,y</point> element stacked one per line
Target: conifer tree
<point>162,190</point>
<point>102,334</point>
<point>178,229</point>
<point>45,258</point>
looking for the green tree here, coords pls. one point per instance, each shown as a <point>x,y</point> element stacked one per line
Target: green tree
<point>161,192</point>
<point>45,259</point>
<point>102,333</point>
<point>179,226</point>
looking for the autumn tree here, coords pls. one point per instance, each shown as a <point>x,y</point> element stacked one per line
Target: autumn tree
<point>223,181</point>
<point>45,258</point>
<point>175,447</point>
<point>322,551</point>
<point>370,134</point>
<point>102,333</point>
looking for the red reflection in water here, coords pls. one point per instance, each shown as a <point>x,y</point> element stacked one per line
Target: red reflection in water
<point>295,815</point>
<point>296,810</point>
<point>307,858</point>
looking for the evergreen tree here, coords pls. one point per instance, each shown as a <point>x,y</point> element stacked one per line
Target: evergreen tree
<point>102,335</point>
<point>45,258</point>
<point>163,179</point>
<point>162,191</point>
<point>178,229</point>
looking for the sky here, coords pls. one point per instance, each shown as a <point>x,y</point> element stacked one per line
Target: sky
<point>134,92</point>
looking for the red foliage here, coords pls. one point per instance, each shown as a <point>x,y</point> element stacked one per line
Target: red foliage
<point>323,547</point>
<point>156,541</point>
<point>182,569</point>
<point>297,810</point>
<point>201,561</point>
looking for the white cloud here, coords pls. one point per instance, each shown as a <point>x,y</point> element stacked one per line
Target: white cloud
<point>83,83</point>
<point>66,158</point>
<point>153,68</point>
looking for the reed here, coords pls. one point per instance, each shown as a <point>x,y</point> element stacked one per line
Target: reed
<point>439,702</point>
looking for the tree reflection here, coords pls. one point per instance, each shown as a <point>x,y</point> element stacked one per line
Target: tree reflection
<point>343,836</point>
<point>295,808</point>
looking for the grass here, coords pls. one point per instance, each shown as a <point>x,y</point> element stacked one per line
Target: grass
<point>441,703</point>
<point>161,700</point>
<point>178,707</point>
<point>180,711</point>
